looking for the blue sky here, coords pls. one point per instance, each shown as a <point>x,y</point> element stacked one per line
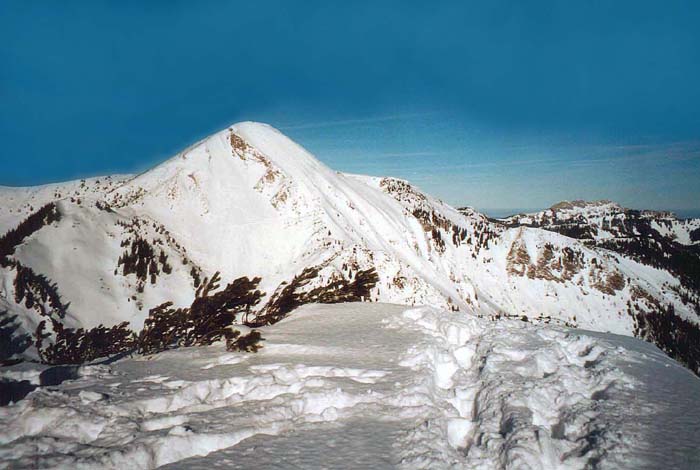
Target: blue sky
<point>495,104</point>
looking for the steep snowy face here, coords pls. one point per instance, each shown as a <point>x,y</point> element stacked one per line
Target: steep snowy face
<point>250,202</point>
<point>247,201</point>
<point>227,203</point>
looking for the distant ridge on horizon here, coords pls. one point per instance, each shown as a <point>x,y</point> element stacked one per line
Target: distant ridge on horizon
<point>498,213</point>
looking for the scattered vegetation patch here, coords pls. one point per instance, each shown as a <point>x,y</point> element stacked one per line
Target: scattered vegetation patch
<point>244,343</point>
<point>658,324</point>
<point>207,320</point>
<point>147,258</point>
<point>578,231</point>
<point>293,294</point>
<point>11,343</point>
<point>681,260</point>
<point>695,235</point>
<point>42,217</point>
<point>36,291</point>
<point>551,264</point>
<point>210,318</point>
<point>76,346</point>
<point>441,229</point>
<point>518,260</point>
<point>606,281</point>
<point>140,259</point>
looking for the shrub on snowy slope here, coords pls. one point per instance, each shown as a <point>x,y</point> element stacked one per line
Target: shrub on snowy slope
<point>245,343</point>
<point>45,215</point>
<point>73,346</point>
<point>36,292</point>
<point>11,343</point>
<point>290,296</point>
<point>210,318</point>
<point>207,320</point>
<point>33,291</point>
<point>140,259</point>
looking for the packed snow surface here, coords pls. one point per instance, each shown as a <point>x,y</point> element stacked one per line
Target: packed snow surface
<point>370,386</point>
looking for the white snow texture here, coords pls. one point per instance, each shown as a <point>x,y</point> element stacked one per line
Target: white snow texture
<point>371,386</point>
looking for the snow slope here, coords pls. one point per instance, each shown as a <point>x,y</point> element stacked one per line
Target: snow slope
<point>371,386</point>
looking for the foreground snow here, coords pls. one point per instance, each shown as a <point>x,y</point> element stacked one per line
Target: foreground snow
<point>366,386</point>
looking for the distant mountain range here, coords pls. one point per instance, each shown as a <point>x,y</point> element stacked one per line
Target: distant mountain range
<point>247,201</point>
<point>504,213</point>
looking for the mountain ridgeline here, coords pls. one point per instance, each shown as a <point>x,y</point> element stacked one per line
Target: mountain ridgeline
<point>130,259</point>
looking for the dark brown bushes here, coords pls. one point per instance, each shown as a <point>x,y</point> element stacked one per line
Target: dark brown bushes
<point>78,346</point>
<point>44,216</point>
<point>290,296</point>
<point>207,320</point>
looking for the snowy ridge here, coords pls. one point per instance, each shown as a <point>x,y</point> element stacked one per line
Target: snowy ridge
<point>656,239</point>
<point>18,203</point>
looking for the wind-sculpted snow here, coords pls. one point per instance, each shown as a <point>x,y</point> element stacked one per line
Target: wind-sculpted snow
<point>370,385</point>
<point>509,395</point>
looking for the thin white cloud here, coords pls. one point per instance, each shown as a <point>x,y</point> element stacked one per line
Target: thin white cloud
<point>351,122</point>
<point>657,153</point>
<point>498,164</point>
<point>409,154</point>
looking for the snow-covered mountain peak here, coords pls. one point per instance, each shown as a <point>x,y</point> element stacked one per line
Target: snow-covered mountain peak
<point>249,202</point>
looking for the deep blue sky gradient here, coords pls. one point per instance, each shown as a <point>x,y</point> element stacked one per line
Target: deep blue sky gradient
<point>494,104</point>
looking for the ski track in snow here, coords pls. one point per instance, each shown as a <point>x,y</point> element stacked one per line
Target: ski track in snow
<point>345,386</point>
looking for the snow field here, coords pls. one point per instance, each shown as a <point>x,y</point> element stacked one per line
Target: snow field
<point>159,429</point>
<point>370,386</point>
